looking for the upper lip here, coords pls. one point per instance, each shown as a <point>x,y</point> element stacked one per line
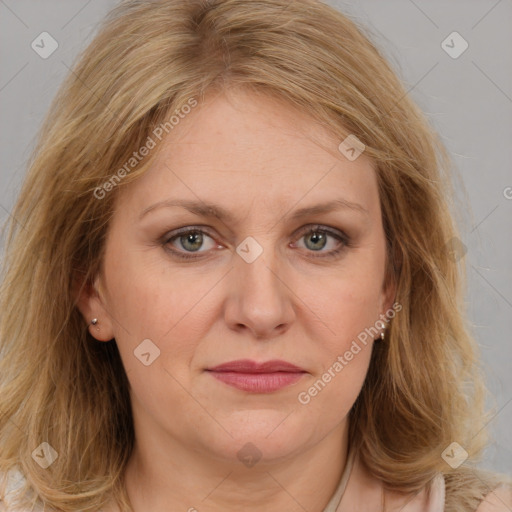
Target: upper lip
<point>249,366</point>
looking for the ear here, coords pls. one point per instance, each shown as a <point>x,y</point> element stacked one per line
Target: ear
<point>92,305</point>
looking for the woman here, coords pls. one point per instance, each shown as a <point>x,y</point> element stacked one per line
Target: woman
<point>229,284</point>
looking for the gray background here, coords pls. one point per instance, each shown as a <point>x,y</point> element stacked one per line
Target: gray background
<point>468,99</point>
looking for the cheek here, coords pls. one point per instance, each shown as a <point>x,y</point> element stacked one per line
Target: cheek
<point>346,301</point>
<point>146,296</point>
<point>149,300</point>
<point>345,313</point>
<point>349,309</point>
<point>353,310</point>
<point>153,313</point>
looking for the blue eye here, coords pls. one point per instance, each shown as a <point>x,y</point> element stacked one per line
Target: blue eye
<point>319,236</point>
<point>190,239</point>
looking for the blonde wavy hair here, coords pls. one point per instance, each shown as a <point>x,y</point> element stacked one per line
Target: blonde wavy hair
<point>424,388</point>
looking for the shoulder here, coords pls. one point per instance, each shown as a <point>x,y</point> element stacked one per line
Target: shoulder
<point>498,500</point>
<point>11,484</point>
<point>378,496</point>
<point>478,490</point>
<point>429,499</point>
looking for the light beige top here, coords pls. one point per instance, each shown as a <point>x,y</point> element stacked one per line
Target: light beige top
<point>356,482</point>
<point>359,491</point>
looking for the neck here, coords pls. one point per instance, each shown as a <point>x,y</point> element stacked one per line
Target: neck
<point>181,478</point>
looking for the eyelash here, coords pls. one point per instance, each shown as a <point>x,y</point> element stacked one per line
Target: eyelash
<point>307,230</point>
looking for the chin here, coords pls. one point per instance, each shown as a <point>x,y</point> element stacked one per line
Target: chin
<point>261,435</point>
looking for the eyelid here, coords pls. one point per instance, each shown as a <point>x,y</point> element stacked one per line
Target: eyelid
<point>341,236</point>
<point>299,232</point>
<point>321,227</point>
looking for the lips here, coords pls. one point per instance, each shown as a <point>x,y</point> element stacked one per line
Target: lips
<point>248,366</point>
<point>251,376</point>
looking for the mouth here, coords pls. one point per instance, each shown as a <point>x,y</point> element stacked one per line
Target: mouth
<point>255,377</point>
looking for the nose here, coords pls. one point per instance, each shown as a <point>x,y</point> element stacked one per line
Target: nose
<point>260,299</point>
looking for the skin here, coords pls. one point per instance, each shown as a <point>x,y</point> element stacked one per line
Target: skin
<point>261,160</point>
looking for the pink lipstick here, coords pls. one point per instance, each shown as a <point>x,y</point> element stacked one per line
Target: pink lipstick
<point>254,377</point>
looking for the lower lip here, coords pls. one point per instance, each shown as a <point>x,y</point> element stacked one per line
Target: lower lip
<point>258,382</point>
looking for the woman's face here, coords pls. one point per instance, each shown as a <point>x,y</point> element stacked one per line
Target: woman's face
<point>261,284</point>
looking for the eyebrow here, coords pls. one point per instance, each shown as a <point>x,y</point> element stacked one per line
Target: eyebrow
<point>210,210</point>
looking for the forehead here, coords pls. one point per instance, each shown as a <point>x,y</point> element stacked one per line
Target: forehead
<point>248,151</point>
